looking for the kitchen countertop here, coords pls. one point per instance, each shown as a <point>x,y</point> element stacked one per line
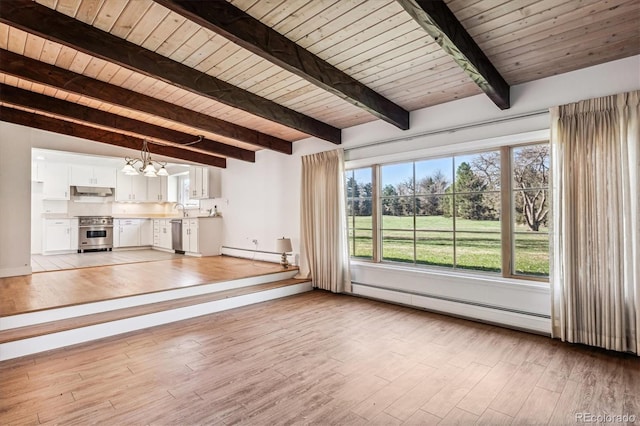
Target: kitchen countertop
<point>128,216</point>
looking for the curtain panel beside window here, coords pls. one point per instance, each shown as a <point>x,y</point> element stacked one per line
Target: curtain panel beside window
<point>596,254</point>
<point>324,255</point>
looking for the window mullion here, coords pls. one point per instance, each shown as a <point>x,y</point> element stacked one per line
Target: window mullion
<point>376,208</point>
<point>506,210</point>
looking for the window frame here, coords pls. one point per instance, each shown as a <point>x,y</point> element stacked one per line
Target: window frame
<point>507,211</point>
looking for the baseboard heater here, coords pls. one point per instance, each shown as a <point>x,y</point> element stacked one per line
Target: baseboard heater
<point>495,315</point>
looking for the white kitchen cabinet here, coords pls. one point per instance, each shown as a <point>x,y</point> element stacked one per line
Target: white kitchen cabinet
<point>198,183</point>
<point>157,189</point>
<point>126,232</point>
<point>190,235</point>
<point>131,188</point>
<point>55,178</point>
<point>204,182</point>
<point>95,176</point>
<point>162,233</point>
<point>146,232</point>
<point>60,235</point>
<point>202,236</point>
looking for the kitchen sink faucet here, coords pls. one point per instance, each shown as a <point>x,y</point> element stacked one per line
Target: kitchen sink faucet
<point>184,211</point>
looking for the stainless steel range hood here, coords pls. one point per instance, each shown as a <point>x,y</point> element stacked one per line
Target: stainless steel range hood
<point>92,191</point>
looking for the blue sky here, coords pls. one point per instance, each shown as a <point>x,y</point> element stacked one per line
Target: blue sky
<point>396,173</point>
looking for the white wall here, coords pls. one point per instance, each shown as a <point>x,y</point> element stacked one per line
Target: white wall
<point>263,198</point>
<point>15,200</point>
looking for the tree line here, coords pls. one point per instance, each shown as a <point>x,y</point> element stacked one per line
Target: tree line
<point>477,190</point>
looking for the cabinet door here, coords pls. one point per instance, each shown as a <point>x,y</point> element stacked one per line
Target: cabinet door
<point>139,188</point>
<point>131,188</point>
<point>185,234</point>
<point>56,181</point>
<point>57,235</point>
<point>165,234</point>
<point>123,187</point>
<point>194,189</point>
<point>193,237</point>
<point>146,232</point>
<point>198,182</point>
<point>157,189</point>
<point>129,233</point>
<point>82,176</point>
<point>105,176</point>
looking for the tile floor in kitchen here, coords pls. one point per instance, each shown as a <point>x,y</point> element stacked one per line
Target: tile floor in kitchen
<point>40,263</point>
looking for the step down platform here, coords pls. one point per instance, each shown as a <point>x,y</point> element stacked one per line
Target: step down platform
<point>35,332</point>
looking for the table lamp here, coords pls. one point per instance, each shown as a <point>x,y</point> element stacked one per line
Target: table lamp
<point>283,245</point>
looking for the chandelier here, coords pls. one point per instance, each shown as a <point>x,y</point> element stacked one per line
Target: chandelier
<point>147,165</point>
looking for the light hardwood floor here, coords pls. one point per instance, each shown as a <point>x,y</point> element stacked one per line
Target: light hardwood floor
<point>319,358</point>
<point>53,289</point>
<point>58,262</point>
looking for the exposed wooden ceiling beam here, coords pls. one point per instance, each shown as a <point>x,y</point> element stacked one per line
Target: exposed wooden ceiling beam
<point>34,18</point>
<point>49,75</point>
<point>31,100</point>
<point>38,121</point>
<point>440,23</point>
<point>232,23</point>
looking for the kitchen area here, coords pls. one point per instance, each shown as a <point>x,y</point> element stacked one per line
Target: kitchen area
<point>86,211</point>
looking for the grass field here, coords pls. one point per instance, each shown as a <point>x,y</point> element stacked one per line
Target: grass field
<point>477,243</point>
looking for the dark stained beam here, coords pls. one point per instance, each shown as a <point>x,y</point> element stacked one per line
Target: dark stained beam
<point>30,119</point>
<point>34,18</point>
<point>440,23</point>
<point>49,75</point>
<point>30,100</point>
<point>232,23</point>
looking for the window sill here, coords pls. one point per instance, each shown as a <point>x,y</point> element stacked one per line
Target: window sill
<point>486,278</point>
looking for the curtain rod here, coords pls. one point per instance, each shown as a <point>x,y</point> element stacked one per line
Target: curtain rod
<point>450,129</point>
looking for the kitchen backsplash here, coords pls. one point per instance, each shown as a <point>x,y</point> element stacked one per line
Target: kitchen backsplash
<point>71,208</point>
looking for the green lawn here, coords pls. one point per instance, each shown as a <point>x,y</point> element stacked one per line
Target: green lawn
<point>478,250</point>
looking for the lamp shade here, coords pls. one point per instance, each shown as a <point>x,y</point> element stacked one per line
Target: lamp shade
<point>283,245</point>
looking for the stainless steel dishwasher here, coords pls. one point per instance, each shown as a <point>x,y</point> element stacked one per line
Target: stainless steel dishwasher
<point>176,235</point>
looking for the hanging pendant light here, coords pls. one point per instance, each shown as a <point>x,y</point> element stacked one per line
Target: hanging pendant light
<point>148,165</point>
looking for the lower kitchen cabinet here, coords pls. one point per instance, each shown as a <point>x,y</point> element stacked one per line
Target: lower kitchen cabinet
<point>202,236</point>
<point>132,233</point>
<point>60,235</point>
<point>146,232</point>
<point>162,234</point>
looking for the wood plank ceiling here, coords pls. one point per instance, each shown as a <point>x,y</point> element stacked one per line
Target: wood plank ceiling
<point>261,74</point>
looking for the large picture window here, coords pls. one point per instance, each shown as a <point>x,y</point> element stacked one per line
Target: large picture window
<point>450,211</point>
<point>443,212</point>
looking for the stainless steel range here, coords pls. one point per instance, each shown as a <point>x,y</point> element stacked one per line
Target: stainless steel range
<point>95,233</point>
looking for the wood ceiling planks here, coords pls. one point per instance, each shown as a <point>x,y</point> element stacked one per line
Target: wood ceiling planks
<point>529,40</point>
<point>374,41</point>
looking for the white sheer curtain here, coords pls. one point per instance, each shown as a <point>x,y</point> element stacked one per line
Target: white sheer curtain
<point>595,278</point>
<point>324,253</point>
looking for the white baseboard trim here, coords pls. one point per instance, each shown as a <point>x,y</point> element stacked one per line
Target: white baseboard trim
<point>15,272</point>
<point>265,256</point>
<point>48,342</point>
<point>517,320</point>
<point>38,317</point>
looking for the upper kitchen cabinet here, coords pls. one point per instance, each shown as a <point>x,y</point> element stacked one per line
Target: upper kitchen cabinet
<point>204,182</point>
<point>55,180</point>
<point>131,188</point>
<point>95,176</point>
<point>157,189</point>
